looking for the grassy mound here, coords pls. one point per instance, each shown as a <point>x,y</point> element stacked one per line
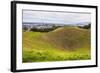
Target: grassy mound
<point>69,38</point>
<point>65,43</point>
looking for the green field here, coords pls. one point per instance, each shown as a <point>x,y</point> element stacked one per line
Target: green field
<point>64,43</point>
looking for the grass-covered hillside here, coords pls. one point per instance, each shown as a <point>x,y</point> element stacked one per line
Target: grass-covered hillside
<point>64,43</point>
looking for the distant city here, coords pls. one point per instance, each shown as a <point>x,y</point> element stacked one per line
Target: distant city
<point>49,25</point>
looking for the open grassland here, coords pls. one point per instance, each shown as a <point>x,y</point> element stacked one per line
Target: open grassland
<point>64,43</point>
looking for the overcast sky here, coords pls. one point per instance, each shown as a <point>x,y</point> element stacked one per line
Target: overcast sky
<point>55,17</point>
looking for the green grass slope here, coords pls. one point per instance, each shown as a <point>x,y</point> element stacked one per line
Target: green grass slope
<point>65,43</point>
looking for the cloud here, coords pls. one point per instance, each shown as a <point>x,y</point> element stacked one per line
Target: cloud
<point>55,17</point>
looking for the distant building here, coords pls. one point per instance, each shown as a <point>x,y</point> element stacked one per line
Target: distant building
<point>39,25</point>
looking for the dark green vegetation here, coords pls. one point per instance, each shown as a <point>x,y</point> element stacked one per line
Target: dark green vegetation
<point>44,29</point>
<point>63,43</point>
<point>85,26</point>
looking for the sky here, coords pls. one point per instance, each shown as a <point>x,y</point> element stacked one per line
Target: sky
<point>32,16</point>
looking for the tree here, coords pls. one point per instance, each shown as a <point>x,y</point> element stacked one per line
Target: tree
<point>25,28</point>
<point>85,26</point>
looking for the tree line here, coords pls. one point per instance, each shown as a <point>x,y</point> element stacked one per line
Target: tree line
<point>40,29</point>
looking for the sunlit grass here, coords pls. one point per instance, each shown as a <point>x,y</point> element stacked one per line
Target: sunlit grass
<point>54,55</point>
